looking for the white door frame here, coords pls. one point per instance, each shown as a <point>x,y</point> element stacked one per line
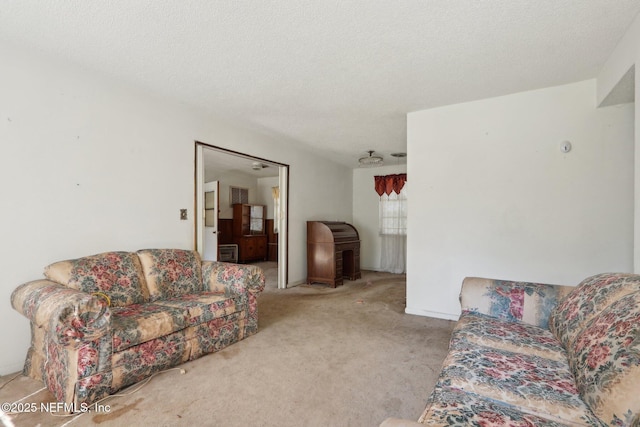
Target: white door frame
<point>283,182</point>
<point>283,227</point>
<point>198,218</point>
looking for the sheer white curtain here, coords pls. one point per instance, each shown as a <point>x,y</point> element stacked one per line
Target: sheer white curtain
<point>393,231</point>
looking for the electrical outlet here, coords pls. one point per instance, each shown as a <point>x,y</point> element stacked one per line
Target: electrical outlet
<point>183,214</point>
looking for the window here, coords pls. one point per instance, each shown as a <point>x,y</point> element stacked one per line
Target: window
<point>393,214</point>
<point>392,190</point>
<point>238,195</point>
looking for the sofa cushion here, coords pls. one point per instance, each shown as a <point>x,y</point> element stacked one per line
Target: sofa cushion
<point>171,273</point>
<point>607,362</point>
<point>205,306</point>
<point>515,301</point>
<point>586,301</point>
<point>140,323</point>
<point>481,329</point>
<point>529,383</point>
<point>449,406</point>
<point>116,274</point>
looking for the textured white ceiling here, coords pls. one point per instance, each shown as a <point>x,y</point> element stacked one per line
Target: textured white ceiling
<point>219,163</point>
<point>339,76</point>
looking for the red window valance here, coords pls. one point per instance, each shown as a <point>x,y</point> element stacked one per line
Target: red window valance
<point>388,183</point>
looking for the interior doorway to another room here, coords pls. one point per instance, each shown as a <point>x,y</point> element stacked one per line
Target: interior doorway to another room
<point>241,208</point>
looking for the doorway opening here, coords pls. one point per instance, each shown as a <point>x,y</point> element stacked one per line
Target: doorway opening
<point>227,185</point>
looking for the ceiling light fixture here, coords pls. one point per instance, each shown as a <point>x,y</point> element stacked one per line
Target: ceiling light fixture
<point>256,166</point>
<point>370,160</point>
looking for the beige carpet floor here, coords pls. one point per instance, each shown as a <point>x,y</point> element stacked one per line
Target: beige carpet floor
<point>348,356</point>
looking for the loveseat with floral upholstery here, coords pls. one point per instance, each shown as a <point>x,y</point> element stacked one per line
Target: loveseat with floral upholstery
<point>103,322</point>
<point>525,354</point>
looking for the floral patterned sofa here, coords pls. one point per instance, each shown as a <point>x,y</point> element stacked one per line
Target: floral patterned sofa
<point>525,354</point>
<point>103,322</point>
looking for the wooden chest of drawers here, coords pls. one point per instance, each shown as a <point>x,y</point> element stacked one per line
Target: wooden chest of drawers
<point>251,248</point>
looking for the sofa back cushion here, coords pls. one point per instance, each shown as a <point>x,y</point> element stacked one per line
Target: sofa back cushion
<point>118,275</point>
<point>606,362</point>
<point>587,301</point>
<point>170,273</point>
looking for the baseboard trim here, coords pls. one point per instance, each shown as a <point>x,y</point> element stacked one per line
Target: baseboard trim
<point>429,313</point>
<point>12,368</point>
<point>297,283</point>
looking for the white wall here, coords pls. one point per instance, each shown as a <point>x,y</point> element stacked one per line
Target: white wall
<point>498,199</point>
<point>626,55</point>
<point>89,165</point>
<point>259,191</point>
<point>365,212</point>
<point>235,179</point>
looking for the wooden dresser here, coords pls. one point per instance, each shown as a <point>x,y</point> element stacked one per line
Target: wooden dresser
<point>333,252</point>
<point>249,232</point>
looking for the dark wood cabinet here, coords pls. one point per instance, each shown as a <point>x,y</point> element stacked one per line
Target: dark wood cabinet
<point>333,252</point>
<point>249,232</point>
<point>252,248</point>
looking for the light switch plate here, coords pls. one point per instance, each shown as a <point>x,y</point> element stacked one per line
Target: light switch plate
<point>183,214</point>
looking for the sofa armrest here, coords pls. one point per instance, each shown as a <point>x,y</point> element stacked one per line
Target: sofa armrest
<point>69,315</point>
<point>232,279</point>
<point>514,301</point>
